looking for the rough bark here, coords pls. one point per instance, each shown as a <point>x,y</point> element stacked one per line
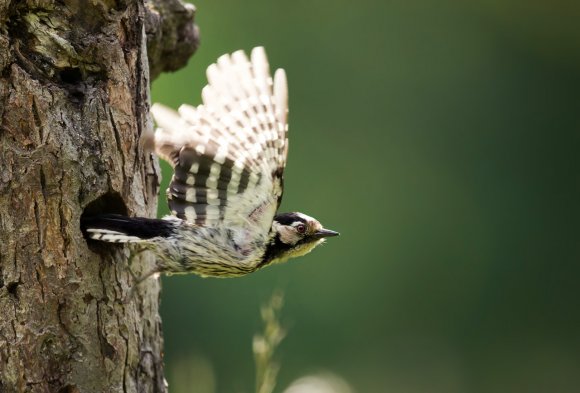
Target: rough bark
<point>172,37</point>
<point>74,100</point>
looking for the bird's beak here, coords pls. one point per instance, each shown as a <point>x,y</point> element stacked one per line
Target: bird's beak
<point>324,233</point>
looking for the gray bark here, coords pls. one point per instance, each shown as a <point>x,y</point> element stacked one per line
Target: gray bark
<point>74,100</point>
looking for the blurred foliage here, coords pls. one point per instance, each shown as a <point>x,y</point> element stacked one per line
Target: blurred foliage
<point>441,139</point>
<point>266,343</point>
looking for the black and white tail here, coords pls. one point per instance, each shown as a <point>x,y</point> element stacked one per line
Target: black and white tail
<point>116,228</point>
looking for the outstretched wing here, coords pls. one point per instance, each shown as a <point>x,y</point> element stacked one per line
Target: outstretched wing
<point>229,153</point>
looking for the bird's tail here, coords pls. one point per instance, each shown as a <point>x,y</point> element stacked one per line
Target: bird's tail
<point>115,228</point>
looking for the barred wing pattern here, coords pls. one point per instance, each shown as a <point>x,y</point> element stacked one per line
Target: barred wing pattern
<point>229,153</point>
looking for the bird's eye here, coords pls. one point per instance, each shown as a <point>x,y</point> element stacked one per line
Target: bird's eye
<point>301,228</point>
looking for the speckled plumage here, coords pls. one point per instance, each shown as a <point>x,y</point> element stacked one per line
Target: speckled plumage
<point>228,156</point>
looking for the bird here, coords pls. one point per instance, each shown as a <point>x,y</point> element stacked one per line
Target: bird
<point>228,156</point>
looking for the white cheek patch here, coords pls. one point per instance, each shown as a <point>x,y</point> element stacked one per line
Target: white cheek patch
<point>288,235</point>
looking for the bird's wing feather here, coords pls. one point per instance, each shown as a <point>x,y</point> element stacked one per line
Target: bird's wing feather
<point>229,153</point>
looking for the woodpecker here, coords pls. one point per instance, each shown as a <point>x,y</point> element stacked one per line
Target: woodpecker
<point>228,156</point>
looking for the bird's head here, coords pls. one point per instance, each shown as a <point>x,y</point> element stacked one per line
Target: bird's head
<point>295,234</point>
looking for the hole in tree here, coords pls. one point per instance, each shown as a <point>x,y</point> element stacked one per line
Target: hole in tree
<point>73,80</point>
<point>12,288</point>
<point>110,203</point>
<point>71,75</point>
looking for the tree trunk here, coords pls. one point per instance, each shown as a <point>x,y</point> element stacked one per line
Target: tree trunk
<point>74,100</point>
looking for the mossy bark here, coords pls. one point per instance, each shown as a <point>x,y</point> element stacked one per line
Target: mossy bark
<point>74,100</point>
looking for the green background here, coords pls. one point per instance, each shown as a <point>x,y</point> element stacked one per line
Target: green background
<point>441,139</point>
